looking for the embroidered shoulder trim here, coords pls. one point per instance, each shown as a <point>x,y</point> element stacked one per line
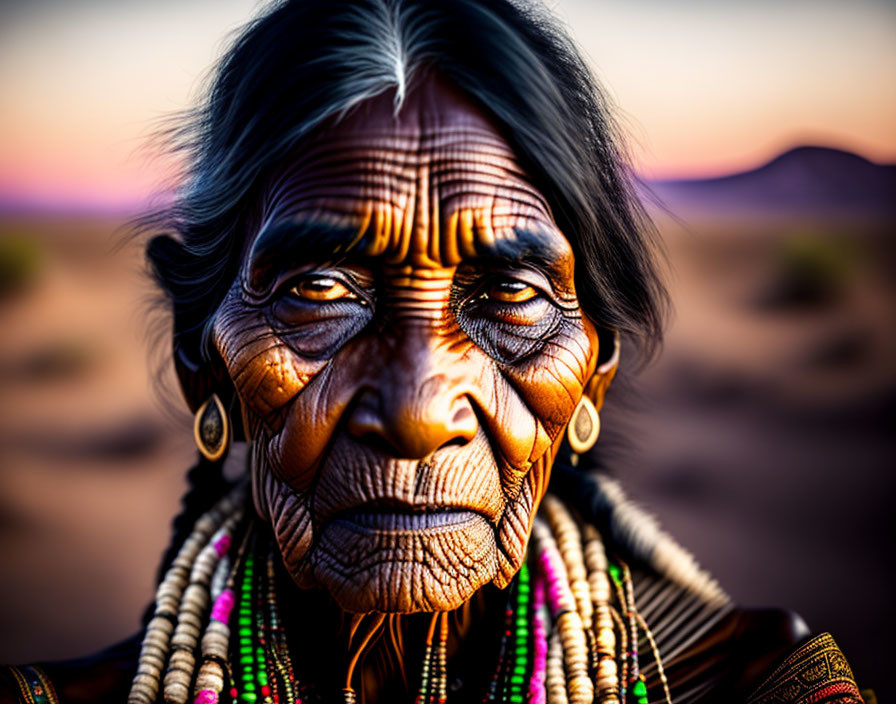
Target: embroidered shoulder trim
<point>815,673</point>
<point>34,685</point>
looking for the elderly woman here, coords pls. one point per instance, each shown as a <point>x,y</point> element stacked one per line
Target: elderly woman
<point>399,269</point>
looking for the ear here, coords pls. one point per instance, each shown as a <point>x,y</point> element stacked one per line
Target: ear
<point>599,382</point>
<point>199,379</point>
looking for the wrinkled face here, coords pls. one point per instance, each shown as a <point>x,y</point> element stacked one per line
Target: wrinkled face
<point>407,345</point>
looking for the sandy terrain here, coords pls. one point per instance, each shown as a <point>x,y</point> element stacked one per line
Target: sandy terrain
<point>762,437</point>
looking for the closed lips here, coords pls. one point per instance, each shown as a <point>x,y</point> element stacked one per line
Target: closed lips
<point>391,518</point>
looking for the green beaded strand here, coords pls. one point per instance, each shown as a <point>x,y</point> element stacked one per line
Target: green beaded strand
<point>621,578</point>
<point>640,690</point>
<point>521,654</point>
<point>247,692</point>
<point>426,673</point>
<point>262,638</point>
<point>615,573</point>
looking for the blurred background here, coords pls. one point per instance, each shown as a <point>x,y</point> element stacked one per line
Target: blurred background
<point>764,135</point>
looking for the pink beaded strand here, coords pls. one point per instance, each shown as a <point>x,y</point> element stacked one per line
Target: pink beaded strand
<point>223,606</point>
<point>540,636</point>
<point>222,545</point>
<point>206,696</point>
<point>567,621</point>
<point>221,611</point>
<point>550,564</point>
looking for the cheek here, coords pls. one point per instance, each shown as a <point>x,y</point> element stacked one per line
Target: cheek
<point>549,386</point>
<point>293,399</point>
<point>266,372</point>
<point>552,382</point>
<point>308,427</point>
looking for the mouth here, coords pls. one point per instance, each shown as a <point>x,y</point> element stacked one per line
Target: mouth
<point>401,519</point>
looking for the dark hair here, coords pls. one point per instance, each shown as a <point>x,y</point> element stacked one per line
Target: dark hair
<point>307,61</point>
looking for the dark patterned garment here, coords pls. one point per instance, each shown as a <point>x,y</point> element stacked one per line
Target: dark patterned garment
<point>712,651</point>
<point>738,656</point>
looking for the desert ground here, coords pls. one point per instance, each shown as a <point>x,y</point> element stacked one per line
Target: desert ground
<point>762,437</point>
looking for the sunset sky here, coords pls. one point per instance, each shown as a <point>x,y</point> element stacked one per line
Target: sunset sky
<point>701,88</point>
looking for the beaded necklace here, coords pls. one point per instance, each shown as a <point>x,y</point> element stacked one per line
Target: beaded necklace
<point>571,628</point>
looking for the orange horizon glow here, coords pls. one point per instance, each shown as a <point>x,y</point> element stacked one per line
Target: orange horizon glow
<point>72,184</point>
<point>699,90</point>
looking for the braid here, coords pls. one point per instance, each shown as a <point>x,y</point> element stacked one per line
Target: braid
<point>635,533</point>
<point>206,485</point>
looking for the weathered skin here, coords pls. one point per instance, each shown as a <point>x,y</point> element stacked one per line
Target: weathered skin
<point>408,348</point>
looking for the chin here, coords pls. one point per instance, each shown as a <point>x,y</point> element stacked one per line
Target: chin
<point>405,563</point>
<point>380,545</point>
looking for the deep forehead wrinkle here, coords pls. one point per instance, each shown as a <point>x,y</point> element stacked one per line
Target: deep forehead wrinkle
<point>408,149</point>
<point>434,185</point>
<point>388,168</point>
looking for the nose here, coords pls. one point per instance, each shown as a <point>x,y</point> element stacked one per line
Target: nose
<point>417,403</point>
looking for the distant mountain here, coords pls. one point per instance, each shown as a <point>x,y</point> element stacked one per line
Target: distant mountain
<point>803,181</point>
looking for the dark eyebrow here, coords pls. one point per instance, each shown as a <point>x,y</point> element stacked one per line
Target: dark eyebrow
<point>534,247</point>
<point>289,244</point>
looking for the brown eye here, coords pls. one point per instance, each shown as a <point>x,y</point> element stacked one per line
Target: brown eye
<point>511,291</point>
<point>321,288</point>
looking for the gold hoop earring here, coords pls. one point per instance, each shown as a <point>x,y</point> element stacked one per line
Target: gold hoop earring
<point>211,429</point>
<point>584,427</point>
